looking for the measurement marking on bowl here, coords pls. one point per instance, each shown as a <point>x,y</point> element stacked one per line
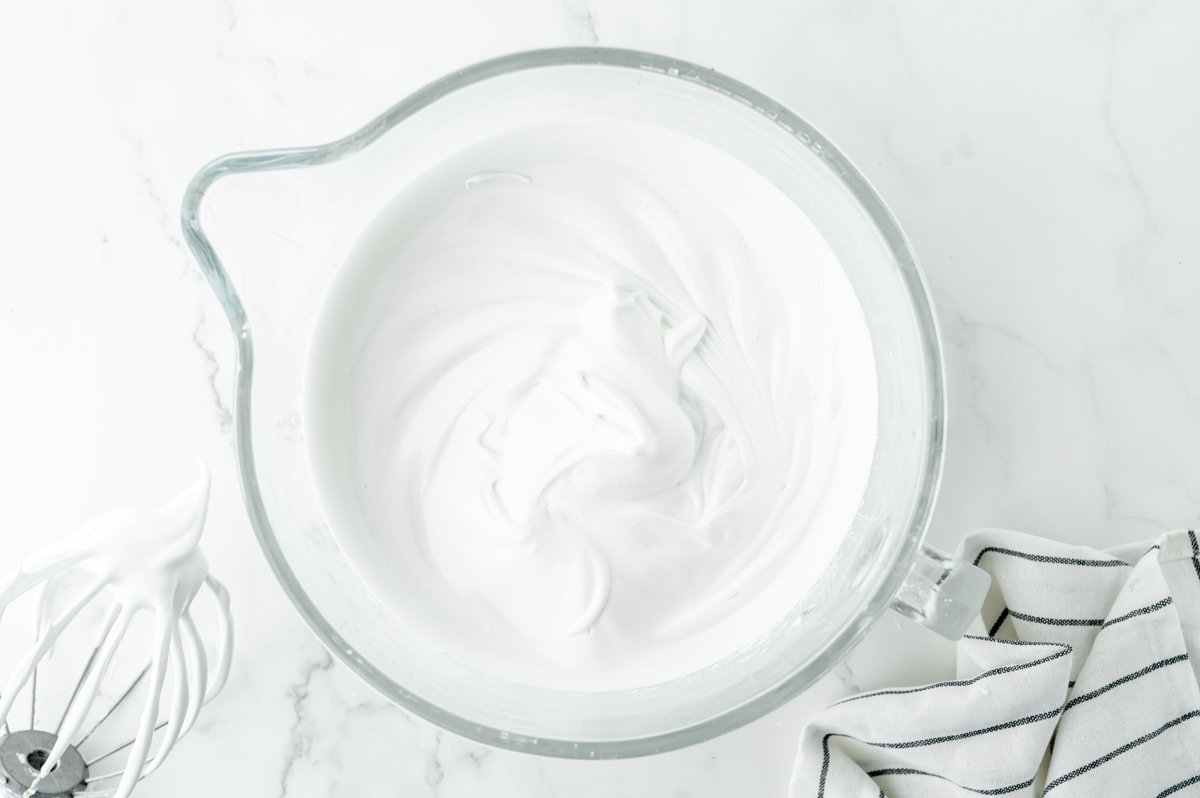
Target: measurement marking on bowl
<point>484,176</point>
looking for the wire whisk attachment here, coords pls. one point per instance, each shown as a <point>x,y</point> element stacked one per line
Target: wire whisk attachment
<point>145,561</point>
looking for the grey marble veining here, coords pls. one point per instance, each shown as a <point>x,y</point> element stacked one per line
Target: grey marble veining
<point>1041,157</point>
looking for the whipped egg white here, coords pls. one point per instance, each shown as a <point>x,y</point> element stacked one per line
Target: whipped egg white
<point>591,405</point>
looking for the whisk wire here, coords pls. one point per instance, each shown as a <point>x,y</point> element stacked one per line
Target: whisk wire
<point>86,670</point>
<point>110,620</point>
<point>116,704</point>
<point>39,609</point>
<point>29,663</point>
<point>119,748</point>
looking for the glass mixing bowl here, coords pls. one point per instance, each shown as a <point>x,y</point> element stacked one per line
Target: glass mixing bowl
<point>269,230</point>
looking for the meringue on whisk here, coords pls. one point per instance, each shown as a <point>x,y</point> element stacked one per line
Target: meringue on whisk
<point>146,560</point>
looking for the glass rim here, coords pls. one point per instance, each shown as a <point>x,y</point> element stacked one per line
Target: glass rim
<point>806,673</point>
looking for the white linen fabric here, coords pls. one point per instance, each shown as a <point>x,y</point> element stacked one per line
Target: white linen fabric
<point>1079,679</point>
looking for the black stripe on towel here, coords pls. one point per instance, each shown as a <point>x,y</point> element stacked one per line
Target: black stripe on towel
<point>915,772</point>
<point>824,765</point>
<point>907,772</point>
<point>1195,552</point>
<point>1079,771</point>
<point>1158,605</point>
<point>1174,788</point>
<point>1020,616</point>
<point>1148,669</point>
<point>1062,652</point>
<point>1016,642</point>
<point>1012,724</point>
<point>1024,555</point>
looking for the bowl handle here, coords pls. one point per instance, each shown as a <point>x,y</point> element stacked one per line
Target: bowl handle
<point>942,592</point>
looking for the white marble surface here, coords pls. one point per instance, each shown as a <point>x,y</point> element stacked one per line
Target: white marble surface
<point>1042,157</point>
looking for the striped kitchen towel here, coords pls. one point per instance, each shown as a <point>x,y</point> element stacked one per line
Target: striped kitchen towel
<point>1079,679</point>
